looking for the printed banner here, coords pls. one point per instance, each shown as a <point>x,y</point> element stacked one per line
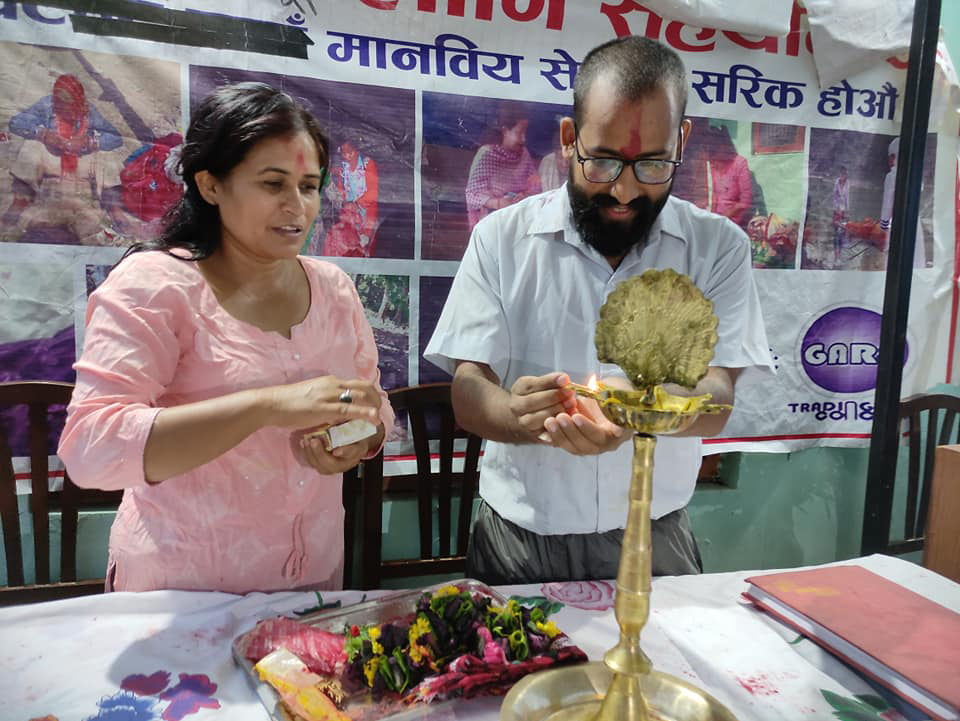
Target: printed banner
<point>431,105</point>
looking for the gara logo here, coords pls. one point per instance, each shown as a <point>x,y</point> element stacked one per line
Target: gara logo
<point>839,350</point>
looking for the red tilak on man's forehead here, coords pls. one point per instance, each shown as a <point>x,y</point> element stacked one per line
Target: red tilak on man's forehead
<point>635,146</point>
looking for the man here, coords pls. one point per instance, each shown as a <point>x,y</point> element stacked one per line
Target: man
<point>519,325</point>
<point>886,213</point>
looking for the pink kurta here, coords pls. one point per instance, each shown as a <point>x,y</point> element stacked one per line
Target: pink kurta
<point>255,519</point>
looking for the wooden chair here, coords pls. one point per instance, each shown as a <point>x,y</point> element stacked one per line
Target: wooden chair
<point>425,406</point>
<point>930,421</point>
<point>39,397</point>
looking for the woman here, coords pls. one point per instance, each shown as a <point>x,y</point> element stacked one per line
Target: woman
<point>210,352</point>
<point>501,173</point>
<point>732,194</point>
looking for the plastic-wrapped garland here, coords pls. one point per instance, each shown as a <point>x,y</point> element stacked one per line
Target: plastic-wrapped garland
<point>396,657</point>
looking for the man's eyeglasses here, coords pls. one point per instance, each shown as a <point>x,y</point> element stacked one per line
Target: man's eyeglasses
<point>646,170</point>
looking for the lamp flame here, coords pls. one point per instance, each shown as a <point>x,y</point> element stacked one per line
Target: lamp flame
<point>592,383</point>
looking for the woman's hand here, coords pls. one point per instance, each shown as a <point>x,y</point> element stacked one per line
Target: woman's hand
<point>186,436</point>
<point>339,459</point>
<point>319,401</point>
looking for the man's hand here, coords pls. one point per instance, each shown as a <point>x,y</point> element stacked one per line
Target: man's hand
<point>583,432</point>
<point>534,399</point>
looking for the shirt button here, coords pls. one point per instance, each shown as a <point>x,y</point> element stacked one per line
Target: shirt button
<point>296,356</point>
<point>300,482</point>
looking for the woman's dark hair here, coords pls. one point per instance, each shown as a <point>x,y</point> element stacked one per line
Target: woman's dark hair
<point>223,129</point>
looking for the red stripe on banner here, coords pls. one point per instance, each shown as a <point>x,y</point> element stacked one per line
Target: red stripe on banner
<point>26,476</point>
<point>456,454</point>
<point>956,276</point>
<point>795,437</point>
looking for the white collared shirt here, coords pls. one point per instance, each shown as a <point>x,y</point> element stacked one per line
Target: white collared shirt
<point>525,301</point>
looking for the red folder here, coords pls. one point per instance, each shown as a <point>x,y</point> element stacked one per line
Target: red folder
<point>901,639</point>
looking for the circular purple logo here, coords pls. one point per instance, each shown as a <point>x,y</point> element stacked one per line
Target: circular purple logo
<point>839,350</point>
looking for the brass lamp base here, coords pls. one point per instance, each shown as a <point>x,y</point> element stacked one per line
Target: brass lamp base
<point>575,693</point>
<point>658,328</point>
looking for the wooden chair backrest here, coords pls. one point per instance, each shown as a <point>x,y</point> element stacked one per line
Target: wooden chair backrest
<point>422,404</point>
<point>40,398</point>
<point>931,421</point>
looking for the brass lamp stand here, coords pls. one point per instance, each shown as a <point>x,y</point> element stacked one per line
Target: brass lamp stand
<point>659,329</point>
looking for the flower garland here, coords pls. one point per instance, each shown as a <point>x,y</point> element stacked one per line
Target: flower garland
<point>448,625</point>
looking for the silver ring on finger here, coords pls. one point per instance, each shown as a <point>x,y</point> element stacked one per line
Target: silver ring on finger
<point>346,396</point>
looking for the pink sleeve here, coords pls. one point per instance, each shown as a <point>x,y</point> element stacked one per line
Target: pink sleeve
<point>130,354</point>
<point>368,359</point>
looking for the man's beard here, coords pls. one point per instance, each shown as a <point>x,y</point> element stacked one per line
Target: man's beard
<point>612,238</point>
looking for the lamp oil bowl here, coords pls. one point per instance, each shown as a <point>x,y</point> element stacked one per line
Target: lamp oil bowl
<point>648,411</point>
<point>659,329</point>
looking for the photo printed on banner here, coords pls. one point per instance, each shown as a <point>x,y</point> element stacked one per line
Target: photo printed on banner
<point>433,294</point>
<point>90,143</point>
<point>751,173</point>
<point>368,209</point>
<point>479,155</point>
<point>386,301</point>
<point>850,203</point>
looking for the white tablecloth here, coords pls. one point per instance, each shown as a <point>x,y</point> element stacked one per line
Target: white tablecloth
<point>166,654</point>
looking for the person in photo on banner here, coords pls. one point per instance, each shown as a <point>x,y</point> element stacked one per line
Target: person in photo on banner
<point>209,355</point>
<point>873,235</point>
<point>841,210</point>
<point>886,210</point>
<point>63,166</point>
<point>355,190</point>
<point>519,323</point>
<point>554,166</point>
<point>502,173</point>
<point>731,190</point>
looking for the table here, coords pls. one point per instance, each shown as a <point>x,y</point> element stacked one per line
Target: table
<point>166,654</point>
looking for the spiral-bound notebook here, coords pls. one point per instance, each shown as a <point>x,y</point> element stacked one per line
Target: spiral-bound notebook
<point>901,639</point>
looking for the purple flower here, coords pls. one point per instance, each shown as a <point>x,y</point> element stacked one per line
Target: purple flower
<point>194,692</point>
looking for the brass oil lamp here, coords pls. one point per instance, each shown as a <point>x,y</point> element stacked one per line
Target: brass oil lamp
<point>659,329</point>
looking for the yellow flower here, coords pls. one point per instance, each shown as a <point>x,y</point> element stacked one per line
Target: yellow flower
<point>370,668</point>
<point>377,647</point>
<point>374,633</point>
<point>415,654</point>
<point>549,628</point>
<point>446,591</point>
<point>418,628</point>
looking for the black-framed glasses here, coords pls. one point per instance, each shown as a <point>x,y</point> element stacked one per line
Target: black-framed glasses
<point>646,170</point>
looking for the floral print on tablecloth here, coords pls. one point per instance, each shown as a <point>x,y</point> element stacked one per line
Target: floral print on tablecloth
<point>586,595</point>
<point>151,698</point>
